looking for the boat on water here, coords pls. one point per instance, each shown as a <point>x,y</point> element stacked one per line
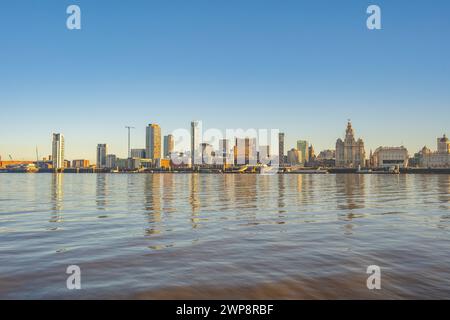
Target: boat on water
<point>22,168</point>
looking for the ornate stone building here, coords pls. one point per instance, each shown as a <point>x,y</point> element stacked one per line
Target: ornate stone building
<point>437,159</point>
<point>350,152</point>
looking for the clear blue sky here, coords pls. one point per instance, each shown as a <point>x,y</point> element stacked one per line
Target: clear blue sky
<point>301,66</point>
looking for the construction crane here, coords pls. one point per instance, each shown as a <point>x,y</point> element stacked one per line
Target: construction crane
<point>129,148</point>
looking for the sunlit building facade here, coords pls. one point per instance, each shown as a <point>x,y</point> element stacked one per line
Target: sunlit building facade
<point>153,142</point>
<point>350,152</point>
<point>58,151</point>
<point>102,150</point>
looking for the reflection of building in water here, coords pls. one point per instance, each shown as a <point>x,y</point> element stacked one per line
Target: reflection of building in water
<point>169,192</point>
<point>444,188</point>
<point>101,191</point>
<point>194,198</point>
<point>246,193</point>
<point>152,202</point>
<point>281,192</point>
<point>57,197</point>
<point>350,191</point>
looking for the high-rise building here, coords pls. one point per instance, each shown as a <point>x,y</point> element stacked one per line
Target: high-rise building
<point>350,152</point>
<point>207,153</point>
<point>224,151</point>
<point>245,151</point>
<point>264,154</point>
<point>196,140</point>
<point>169,145</point>
<point>138,153</point>
<point>111,161</point>
<point>58,151</point>
<point>102,150</point>
<point>281,148</point>
<point>294,157</point>
<point>312,155</point>
<point>303,147</point>
<point>153,142</point>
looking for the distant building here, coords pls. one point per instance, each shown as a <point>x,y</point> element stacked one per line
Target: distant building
<point>196,140</point>
<point>102,150</point>
<point>138,153</point>
<point>443,145</point>
<point>245,151</point>
<point>312,155</point>
<point>207,153</point>
<point>153,142</point>
<point>438,159</point>
<point>327,155</point>
<point>264,155</point>
<point>225,151</point>
<point>390,156</point>
<point>294,157</point>
<point>58,151</point>
<point>169,145</point>
<point>350,152</point>
<point>111,161</point>
<point>80,163</point>
<point>281,148</point>
<point>303,147</point>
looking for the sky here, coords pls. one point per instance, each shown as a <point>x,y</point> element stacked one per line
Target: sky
<point>303,67</point>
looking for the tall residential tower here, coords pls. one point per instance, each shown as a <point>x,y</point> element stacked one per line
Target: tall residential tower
<point>102,150</point>
<point>58,151</point>
<point>153,142</point>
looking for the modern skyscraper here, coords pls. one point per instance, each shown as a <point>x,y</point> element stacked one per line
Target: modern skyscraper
<point>111,161</point>
<point>58,151</point>
<point>303,147</point>
<point>245,151</point>
<point>312,154</point>
<point>294,157</point>
<point>102,150</point>
<point>169,145</point>
<point>196,140</point>
<point>153,142</point>
<point>224,151</point>
<point>281,148</point>
<point>207,153</point>
<point>350,152</point>
<point>264,154</point>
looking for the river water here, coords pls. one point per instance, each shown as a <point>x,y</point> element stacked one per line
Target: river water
<point>197,236</point>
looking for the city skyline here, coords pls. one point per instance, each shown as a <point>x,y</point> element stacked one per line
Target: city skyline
<point>301,67</point>
<point>161,145</point>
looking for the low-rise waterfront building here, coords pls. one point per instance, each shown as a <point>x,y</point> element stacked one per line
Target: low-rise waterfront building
<point>385,157</point>
<point>437,159</point>
<point>80,163</point>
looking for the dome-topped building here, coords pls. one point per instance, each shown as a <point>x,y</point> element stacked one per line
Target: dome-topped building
<point>436,159</point>
<point>350,152</point>
<point>443,144</point>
